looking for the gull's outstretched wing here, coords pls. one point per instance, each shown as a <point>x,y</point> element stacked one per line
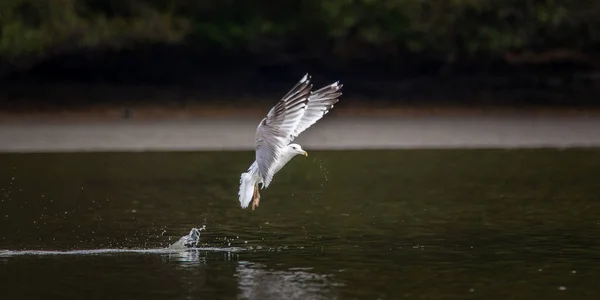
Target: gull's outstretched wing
<point>319,104</point>
<point>276,130</point>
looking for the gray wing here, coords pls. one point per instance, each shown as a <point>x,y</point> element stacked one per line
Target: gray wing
<point>275,131</point>
<point>319,104</point>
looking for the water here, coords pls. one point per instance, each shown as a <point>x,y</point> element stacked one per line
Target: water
<point>441,224</point>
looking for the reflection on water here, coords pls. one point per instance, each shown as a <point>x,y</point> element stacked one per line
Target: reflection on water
<point>188,258</point>
<point>480,224</point>
<point>256,281</point>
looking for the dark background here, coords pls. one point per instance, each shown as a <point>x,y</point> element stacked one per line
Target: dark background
<point>464,52</point>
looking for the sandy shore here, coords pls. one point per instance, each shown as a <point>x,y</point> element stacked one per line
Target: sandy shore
<point>27,133</point>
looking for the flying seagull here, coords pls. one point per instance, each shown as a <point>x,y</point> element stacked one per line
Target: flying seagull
<point>299,109</point>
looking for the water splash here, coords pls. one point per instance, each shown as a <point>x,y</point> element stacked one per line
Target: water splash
<point>8,191</point>
<point>188,242</point>
<point>11,253</point>
<point>324,171</point>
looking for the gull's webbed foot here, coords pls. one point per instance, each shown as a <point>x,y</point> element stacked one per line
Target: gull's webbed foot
<point>255,197</point>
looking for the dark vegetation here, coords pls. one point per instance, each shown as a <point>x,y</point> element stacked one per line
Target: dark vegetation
<point>546,50</point>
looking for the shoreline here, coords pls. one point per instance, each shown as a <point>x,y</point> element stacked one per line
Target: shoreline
<point>337,131</point>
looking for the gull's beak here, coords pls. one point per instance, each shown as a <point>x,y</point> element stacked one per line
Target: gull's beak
<point>305,153</point>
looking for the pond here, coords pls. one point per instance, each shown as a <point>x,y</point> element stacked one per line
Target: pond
<point>444,224</point>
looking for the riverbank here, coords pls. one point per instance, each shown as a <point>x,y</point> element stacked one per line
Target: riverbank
<point>206,128</point>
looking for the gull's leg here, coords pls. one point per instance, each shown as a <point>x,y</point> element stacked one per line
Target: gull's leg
<point>255,197</point>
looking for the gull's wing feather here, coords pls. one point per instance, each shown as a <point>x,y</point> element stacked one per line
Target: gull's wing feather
<point>319,104</point>
<point>275,131</point>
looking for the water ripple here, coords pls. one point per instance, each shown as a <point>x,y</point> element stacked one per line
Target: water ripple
<point>11,253</point>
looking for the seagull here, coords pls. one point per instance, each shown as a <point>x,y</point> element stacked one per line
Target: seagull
<point>299,109</point>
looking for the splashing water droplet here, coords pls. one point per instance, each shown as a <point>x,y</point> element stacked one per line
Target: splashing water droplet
<point>323,171</point>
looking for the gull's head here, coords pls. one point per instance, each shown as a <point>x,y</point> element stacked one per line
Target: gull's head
<point>296,149</point>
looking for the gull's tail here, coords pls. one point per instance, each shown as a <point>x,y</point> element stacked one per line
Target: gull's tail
<point>248,181</point>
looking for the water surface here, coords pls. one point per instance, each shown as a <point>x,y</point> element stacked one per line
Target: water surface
<point>449,224</point>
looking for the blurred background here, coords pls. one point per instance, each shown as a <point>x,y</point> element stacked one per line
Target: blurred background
<point>158,76</point>
<point>184,53</point>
